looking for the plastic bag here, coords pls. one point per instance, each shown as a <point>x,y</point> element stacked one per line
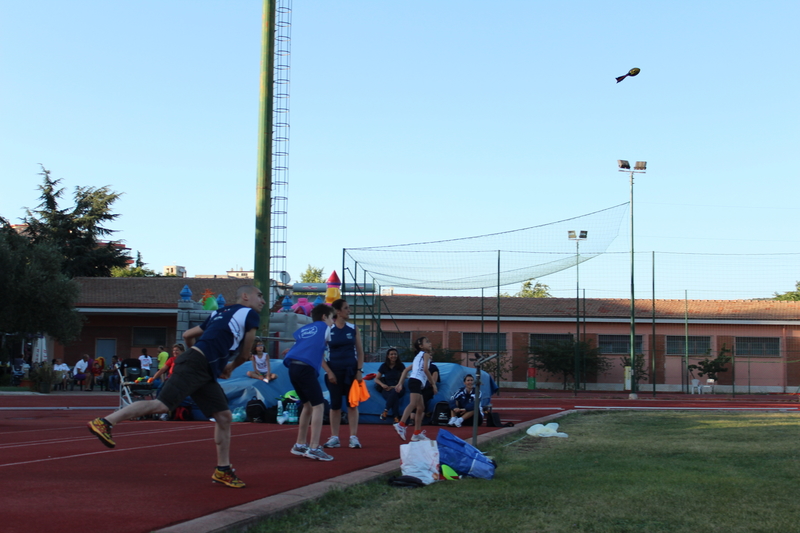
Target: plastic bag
<point>550,430</point>
<point>420,459</point>
<point>464,458</point>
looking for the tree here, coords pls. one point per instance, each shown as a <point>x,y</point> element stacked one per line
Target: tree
<point>531,290</point>
<point>558,358</point>
<point>75,234</point>
<point>712,367</point>
<point>534,290</point>
<point>137,271</point>
<point>37,296</point>
<point>791,295</point>
<point>641,371</point>
<point>313,275</point>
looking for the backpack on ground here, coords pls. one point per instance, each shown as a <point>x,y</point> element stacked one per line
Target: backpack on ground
<point>441,414</point>
<point>462,457</point>
<point>493,420</point>
<point>256,411</point>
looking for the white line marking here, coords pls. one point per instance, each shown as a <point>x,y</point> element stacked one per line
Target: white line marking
<point>112,408</point>
<point>688,408</point>
<point>115,450</point>
<point>527,408</point>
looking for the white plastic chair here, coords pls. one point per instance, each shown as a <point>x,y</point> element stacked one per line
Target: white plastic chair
<point>709,386</point>
<point>696,387</point>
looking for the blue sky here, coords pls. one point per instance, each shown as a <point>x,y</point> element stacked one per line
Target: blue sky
<point>414,122</point>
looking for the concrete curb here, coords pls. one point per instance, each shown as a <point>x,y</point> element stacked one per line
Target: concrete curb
<point>240,517</point>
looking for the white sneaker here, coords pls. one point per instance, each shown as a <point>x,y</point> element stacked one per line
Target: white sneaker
<point>299,449</point>
<point>459,421</point>
<point>333,442</point>
<point>317,454</point>
<point>452,421</point>
<point>354,442</point>
<point>420,436</point>
<point>401,430</point>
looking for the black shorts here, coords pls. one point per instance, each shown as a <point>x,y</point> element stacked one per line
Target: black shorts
<point>191,376</point>
<point>339,389</point>
<point>306,384</point>
<point>414,385</point>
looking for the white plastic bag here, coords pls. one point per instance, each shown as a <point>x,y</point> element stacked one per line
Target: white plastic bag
<point>550,430</point>
<point>421,460</point>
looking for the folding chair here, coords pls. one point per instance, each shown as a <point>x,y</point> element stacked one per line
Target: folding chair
<point>130,391</point>
<point>709,386</point>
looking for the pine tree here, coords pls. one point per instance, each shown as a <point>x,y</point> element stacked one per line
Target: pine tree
<point>77,234</point>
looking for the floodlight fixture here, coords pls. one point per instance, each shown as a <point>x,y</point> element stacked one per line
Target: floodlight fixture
<point>623,165</point>
<point>640,165</point>
<point>577,236</point>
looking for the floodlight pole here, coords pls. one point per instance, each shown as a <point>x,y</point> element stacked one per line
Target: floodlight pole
<point>639,168</point>
<point>261,266</point>
<point>577,237</point>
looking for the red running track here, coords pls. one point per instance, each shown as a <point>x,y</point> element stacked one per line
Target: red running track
<point>57,476</point>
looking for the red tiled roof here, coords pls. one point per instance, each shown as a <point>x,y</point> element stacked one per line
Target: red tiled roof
<point>164,292</point>
<point>160,292</point>
<point>595,307</point>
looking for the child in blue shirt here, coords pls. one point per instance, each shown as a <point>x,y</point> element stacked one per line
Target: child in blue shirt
<point>304,361</point>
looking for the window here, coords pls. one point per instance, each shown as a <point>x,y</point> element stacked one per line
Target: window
<point>758,346</point>
<point>399,339</point>
<point>676,345</point>
<point>471,342</point>
<point>149,336</point>
<point>537,339</point>
<point>618,344</point>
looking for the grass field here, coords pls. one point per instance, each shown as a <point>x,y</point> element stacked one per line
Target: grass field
<point>617,472</point>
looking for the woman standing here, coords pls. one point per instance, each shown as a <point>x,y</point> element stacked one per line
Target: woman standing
<point>345,365</point>
<point>386,381</point>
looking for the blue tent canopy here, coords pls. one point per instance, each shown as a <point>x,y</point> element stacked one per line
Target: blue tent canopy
<point>240,389</point>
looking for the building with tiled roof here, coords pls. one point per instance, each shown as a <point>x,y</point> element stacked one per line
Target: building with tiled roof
<point>126,314</point>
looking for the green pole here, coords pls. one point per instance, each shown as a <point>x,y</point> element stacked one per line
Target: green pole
<point>633,308</point>
<point>686,340</point>
<point>261,270</point>
<point>497,371</point>
<point>653,339</point>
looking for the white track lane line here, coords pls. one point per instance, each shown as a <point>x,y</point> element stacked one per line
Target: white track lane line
<point>117,450</point>
<point>120,434</point>
<point>687,408</point>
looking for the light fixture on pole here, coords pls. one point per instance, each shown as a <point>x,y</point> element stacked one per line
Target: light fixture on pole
<point>639,168</point>
<point>577,238</point>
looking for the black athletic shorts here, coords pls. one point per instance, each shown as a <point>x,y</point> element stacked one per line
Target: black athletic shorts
<point>306,384</point>
<point>414,385</point>
<point>340,389</point>
<point>191,376</point>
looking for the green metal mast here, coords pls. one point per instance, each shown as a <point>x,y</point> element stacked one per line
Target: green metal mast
<point>264,172</point>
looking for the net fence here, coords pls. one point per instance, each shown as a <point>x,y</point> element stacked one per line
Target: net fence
<point>490,260</point>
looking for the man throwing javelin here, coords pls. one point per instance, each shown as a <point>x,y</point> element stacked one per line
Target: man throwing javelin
<point>195,373</point>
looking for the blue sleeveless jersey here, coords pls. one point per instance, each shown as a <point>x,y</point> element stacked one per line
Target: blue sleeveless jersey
<point>223,330</point>
<point>310,346</point>
<point>343,347</point>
